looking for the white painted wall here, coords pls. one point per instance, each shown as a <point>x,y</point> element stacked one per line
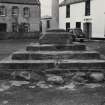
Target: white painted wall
<point>62,17</point>
<point>97,13</point>
<point>78,15</point>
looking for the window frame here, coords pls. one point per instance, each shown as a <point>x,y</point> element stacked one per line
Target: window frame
<point>23,27</point>
<point>13,29</point>
<point>87,7</point>
<point>26,13</point>
<point>3,10</point>
<point>27,24</point>
<point>68,11</point>
<point>15,11</point>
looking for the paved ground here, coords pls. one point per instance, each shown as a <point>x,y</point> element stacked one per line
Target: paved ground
<point>97,45</point>
<point>9,46</point>
<point>24,95</point>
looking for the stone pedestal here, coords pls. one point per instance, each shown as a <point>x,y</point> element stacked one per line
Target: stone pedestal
<point>54,49</point>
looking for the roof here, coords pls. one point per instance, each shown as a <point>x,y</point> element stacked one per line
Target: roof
<point>29,2</point>
<point>66,2</point>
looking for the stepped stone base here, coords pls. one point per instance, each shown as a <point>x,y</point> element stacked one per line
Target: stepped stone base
<point>26,65</point>
<point>54,52</point>
<point>38,65</point>
<point>56,37</point>
<point>52,47</point>
<point>44,55</point>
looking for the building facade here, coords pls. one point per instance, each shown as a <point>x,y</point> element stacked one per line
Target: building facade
<point>89,15</point>
<point>46,23</point>
<point>19,15</point>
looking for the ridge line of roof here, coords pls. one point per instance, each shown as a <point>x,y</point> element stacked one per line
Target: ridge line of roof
<point>29,2</point>
<point>67,2</point>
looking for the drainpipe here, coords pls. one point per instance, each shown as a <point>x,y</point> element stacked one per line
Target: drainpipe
<point>104,24</point>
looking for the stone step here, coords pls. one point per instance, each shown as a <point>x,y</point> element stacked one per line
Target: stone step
<point>52,47</point>
<point>55,37</point>
<point>41,55</point>
<point>97,65</point>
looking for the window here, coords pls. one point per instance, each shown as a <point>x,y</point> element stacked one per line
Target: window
<point>26,12</point>
<point>14,27</point>
<point>2,11</point>
<point>24,27</point>
<point>87,8</point>
<point>67,11</point>
<point>15,11</point>
<point>67,26</point>
<point>78,24</point>
<point>48,23</point>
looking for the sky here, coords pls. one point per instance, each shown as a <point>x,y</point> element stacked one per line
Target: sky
<point>46,7</point>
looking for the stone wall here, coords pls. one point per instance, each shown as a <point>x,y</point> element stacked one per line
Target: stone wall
<point>33,19</point>
<point>19,35</point>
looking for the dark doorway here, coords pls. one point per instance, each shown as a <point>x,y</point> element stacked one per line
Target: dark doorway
<point>67,25</point>
<point>40,26</point>
<point>3,27</point>
<point>78,24</point>
<point>48,23</point>
<point>87,28</point>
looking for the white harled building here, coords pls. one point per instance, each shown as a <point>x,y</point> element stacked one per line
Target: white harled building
<point>89,15</point>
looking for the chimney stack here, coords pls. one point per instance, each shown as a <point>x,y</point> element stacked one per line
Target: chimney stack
<point>55,14</point>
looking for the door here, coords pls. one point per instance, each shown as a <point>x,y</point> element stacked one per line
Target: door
<point>87,28</point>
<point>3,27</point>
<point>78,25</point>
<point>67,26</point>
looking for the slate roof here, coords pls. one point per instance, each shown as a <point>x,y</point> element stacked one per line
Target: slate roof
<point>30,2</point>
<point>66,2</point>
